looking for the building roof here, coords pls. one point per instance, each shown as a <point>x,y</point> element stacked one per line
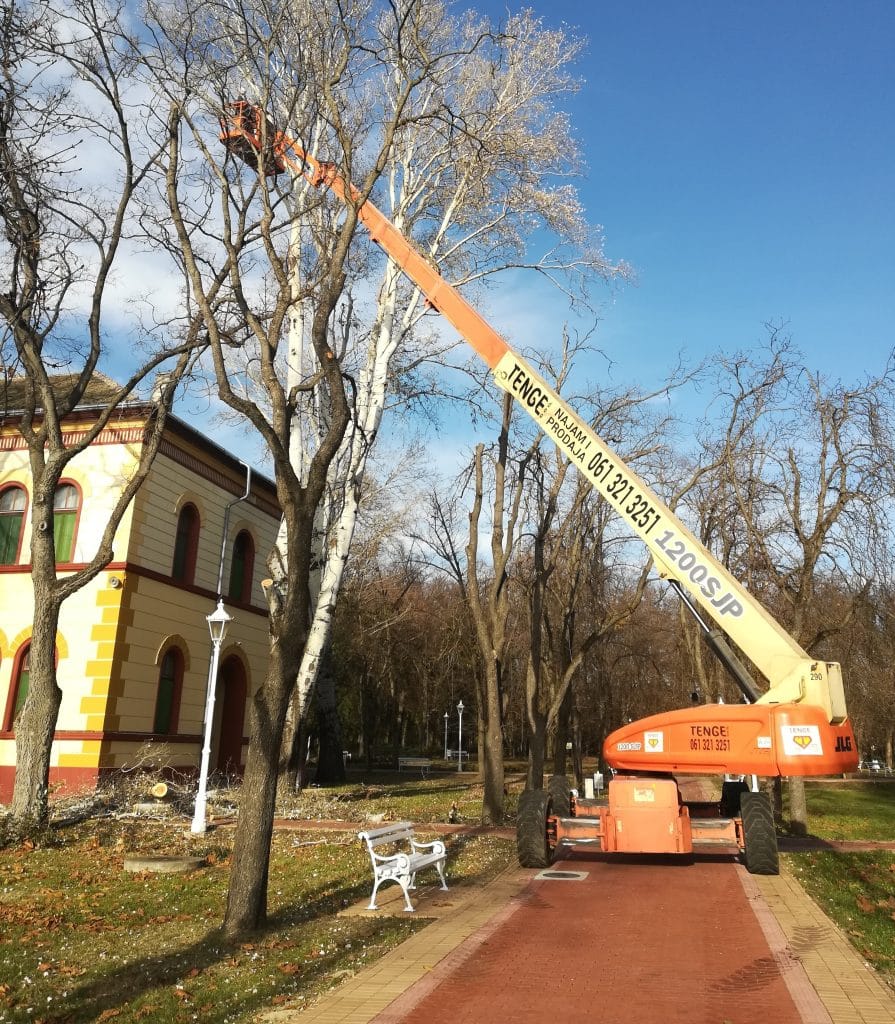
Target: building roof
<point>17,393</point>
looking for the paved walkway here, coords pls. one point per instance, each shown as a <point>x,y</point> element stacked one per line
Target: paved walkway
<point>625,940</point>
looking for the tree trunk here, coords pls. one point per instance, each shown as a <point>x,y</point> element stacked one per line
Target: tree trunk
<point>247,896</point>
<point>290,770</point>
<point>537,749</point>
<point>491,754</point>
<point>298,770</point>
<point>798,807</point>
<point>330,763</point>
<point>366,723</point>
<point>776,794</point>
<point>37,721</point>
<point>562,734</point>
<point>35,728</point>
<point>331,549</point>
<point>577,751</point>
<point>295,730</point>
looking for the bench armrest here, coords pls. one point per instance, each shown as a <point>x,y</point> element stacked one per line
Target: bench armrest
<point>436,847</point>
<point>400,860</point>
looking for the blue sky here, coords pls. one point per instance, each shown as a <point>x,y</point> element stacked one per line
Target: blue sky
<point>742,158</point>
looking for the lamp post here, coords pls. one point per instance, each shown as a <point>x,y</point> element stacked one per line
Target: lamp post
<point>460,736</point>
<point>445,734</point>
<point>218,622</point>
<point>217,627</point>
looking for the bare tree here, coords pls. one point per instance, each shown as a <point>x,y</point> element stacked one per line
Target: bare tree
<point>807,464</point>
<point>69,95</point>
<point>869,661</point>
<point>485,587</point>
<point>570,569</point>
<point>577,557</point>
<point>351,97</point>
<point>380,80</point>
<point>470,190</point>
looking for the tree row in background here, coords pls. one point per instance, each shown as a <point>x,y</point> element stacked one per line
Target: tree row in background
<point>786,478</point>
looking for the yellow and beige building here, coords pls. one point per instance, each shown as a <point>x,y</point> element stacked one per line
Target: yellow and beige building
<point>133,648</point>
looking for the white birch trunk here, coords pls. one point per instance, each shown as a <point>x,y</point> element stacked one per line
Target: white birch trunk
<point>372,386</point>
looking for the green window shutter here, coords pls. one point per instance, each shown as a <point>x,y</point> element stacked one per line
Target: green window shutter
<point>184,544</point>
<point>12,512</point>
<point>22,687</point>
<point>10,531</point>
<point>237,569</point>
<point>237,575</point>
<point>178,570</point>
<point>164,703</point>
<point>64,535</point>
<point>65,511</point>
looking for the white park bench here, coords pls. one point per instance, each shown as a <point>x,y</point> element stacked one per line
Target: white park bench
<point>407,858</point>
<point>424,764</point>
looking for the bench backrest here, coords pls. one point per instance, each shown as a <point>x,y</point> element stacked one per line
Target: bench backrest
<point>395,832</point>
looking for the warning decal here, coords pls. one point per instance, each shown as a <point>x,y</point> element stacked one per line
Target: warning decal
<point>654,742</point>
<point>644,796</point>
<point>801,740</point>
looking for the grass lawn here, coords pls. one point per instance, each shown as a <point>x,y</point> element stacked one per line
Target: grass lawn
<point>398,795</point>
<point>851,810</point>
<point>856,890</point>
<point>82,940</point>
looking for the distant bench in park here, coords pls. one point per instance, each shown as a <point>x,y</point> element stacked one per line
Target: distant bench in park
<point>423,764</point>
<point>408,856</point>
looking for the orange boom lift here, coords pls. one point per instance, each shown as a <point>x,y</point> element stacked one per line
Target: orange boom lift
<point>797,726</point>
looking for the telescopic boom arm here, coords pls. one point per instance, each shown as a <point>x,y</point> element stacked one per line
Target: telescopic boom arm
<point>793,676</point>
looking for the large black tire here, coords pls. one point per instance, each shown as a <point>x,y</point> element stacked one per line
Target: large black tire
<point>561,793</point>
<point>759,835</point>
<point>532,847</point>
<point>730,798</point>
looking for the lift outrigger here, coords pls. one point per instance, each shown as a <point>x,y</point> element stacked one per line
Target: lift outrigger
<point>797,726</point>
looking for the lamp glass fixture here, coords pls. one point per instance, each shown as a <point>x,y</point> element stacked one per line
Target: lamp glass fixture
<point>218,622</point>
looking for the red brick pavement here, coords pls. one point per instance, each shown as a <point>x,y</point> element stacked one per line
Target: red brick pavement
<point>643,940</point>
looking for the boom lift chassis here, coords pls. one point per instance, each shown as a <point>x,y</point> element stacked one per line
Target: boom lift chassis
<point>798,726</point>
<point>645,814</point>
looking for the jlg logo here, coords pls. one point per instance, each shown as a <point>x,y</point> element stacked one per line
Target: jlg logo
<point>843,744</point>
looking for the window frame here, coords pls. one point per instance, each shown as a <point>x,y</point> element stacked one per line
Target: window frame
<point>22,513</point>
<point>21,662</point>
<point>191,542</point>
<point>176,681</point>
<point>248,567</point>
<point>74,513</point>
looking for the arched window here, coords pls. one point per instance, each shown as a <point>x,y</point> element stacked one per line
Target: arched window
<point>231,697</point>
<point>13,501</point>
<point>186,543</point>
<point>19,689</point>
<point>167,701</point>
<point>242,565</point>
<point>66,504</point>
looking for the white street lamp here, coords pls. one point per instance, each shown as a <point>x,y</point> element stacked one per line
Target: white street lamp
<point>445,734</point>
<point>460,736</point>
<point>218,622</point>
